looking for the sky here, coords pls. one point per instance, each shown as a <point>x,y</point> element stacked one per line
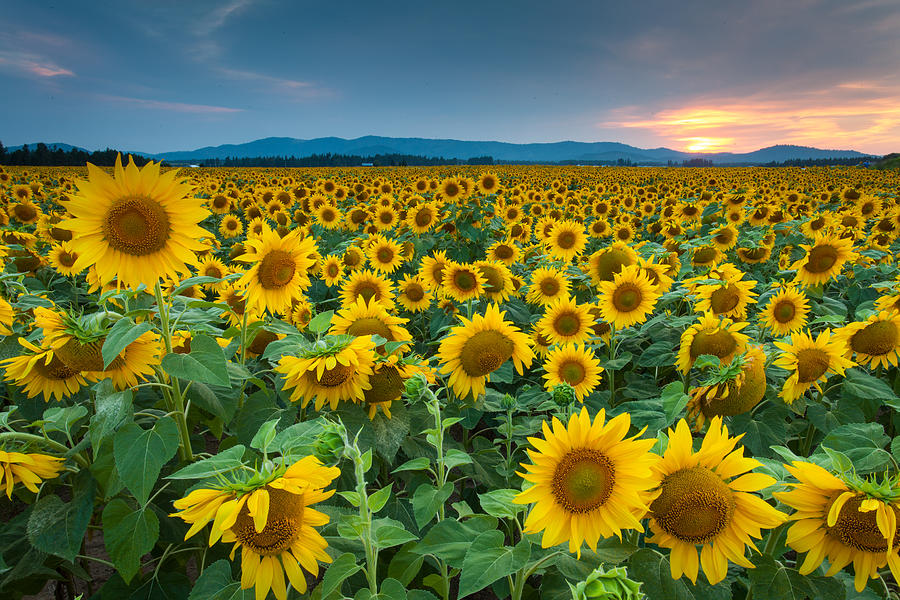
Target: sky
<point>699,76</point>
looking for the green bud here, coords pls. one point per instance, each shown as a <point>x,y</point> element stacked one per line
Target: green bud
<point>415,386</point>
<point>508,402</point>
<point>564,395</point>
<point>607,585</point>
<point>329,447</point>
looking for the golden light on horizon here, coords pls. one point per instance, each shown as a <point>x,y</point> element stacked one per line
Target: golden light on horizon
<point>707,144</point>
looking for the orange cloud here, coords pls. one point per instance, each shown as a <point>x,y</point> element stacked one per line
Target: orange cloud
<point>856,115</point>
<point>32,64</point>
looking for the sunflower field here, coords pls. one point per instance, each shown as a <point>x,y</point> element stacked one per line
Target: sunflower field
<point>449,382</point>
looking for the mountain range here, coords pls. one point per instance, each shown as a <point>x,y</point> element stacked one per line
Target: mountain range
<point>500,151</point>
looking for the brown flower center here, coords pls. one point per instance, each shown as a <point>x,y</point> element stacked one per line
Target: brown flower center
<point>137,226</point>
<point>876,339</point>
<point>694,505</point>
<point>583,480</point>
<point>276,269</point>
<point>283,524</point>
<point>821,259</point>
<point>812,363</point>
<point>484,352</point>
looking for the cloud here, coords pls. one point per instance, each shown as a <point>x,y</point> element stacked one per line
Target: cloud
<point>32,64</point>
<point>170,106</point>
<point>292,88</point>
<point>205,45</point>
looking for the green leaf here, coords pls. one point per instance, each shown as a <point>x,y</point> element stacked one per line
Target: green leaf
<point>427,500</point>
<point>265,436</point>
<point>111,409</point>
<point>141,453</point>
<point>673,401</point>
<point>771,579</point>
<point>652,569</point>
<point>487,560</point>
<point>405,564</point>
<point>499,503</point>
<point>223,462</point>
<point>391,589</point>
<point>657,354</point>
<point>860,384</point>
<point>862,443</point>
<point>216,583</point>
<point>128,535</point>
<point>389,532</point>
<point>416,464</point>
<point>124,332</point>
<point>378,499</point>
<point>299,438</point>
<point>450,539</point>
<point>222,406</point>
<point>63,418</point>
<point>57,528</point>
<point>340,570</point>
<point>455,458</point>
<point>205,362</point>
<point>390,433</point>
<point>321,322</point>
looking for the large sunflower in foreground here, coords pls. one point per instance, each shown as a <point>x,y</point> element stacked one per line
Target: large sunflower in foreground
<point>479,347</point>
<point>824,259</point>
<point>811,361</point>
<point>716,336</point>
<point>835,521</point>
<point>137,227</point>
<point>273,525</point>
<point>29,469</point>
<point>590,480</point>
<point>875,341</point>
<point>628,299</point>
<point>704,500</point>
<point>280,271</point>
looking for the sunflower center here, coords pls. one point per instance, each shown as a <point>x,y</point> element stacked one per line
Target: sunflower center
<point>694,505</point>
<point>451,190</point>
<point>370,326</point>
<point>821,259</point>
<point>25,212</point>
<point>67,259</point>
<point>85,356</point>
<point>56,370</point>
<point>583,480</point>
<point>231,224</point>
<point>262,339</point>
<point>387,385</point>
<point>414,292</point>
<point>334,377</point>
<point>812,363</point>
<point>611,262</point>
<point>333,270</point>
<point>549,286</point>
<point>717,343</point>
<point>213,271</point>
<point>385,255</point>
<point>367,291</point>
<point>566,240</point>
<point>282,526</point>
<point>627,297</point>
<point>784,311</point>
<point>725,238</point>
<point>424,217</point>
<point>876,339</point>
<point>705,255</point>
<point>572,372</point>
<point>725,300</point>
<point>465,281</point>
<point>494,280</point>
<point>567,324</point>
<point>857,529</point>
<point>277,269</point>
<point>60,235</point>
<point>484,352</point>
<point>137,226</point>
<point>503,252</point>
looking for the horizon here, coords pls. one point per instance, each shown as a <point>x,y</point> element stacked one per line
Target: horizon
<point>162,78</point>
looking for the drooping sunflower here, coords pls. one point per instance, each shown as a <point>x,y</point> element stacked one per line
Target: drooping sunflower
<point>414,296</point>
<point>385,255</point>
<point>875,341</point>
<point>422,217</point>
<point>477,348</point>
<point>280,271</point>
<point>137,227</point>
<point>40,371</point>
<point>462,281</point>
<point>369,318</point>
<point>628,299</point>
<point>705,500</point>
<point>498,282</point>
<point>231,227</point>
<point>824,259</point>
<point>547,285</point>
<point>835,521</point>
<point>567,240</point>
<point>716,336</point>
<point>574,364</point>
<point>565,321</point>
<point>811,361</point>
<point>786,311</point>
<point>604,264</point>
<point>273,524</point>
<point>432,268</point>
<point>736,393</point>
<point>30,469</point>
<point>590,480</point>
<point>728,297</point>
<point>333,372</point>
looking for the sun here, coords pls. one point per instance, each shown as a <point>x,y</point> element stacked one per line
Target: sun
<point>706,144</point>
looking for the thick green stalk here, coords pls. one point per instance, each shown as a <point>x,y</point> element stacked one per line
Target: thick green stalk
<point>30,437</point>
<point>175,398</point>
<point>366,515</point>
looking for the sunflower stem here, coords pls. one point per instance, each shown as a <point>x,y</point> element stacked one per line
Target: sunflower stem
<point>773,539</point>
<point>175,395</point>
<point>30,437</point>
<point>611,373</point>
<point>365,515</point>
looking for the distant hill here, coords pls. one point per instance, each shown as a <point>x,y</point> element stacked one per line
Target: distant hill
<point>889,161</point>
<point>500,151</point>
<point>53,146</point>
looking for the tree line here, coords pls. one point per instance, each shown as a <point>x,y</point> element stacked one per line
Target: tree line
<point>340,160</point>
<point>42,155</point>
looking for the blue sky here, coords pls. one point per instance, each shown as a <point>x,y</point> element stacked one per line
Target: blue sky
<point>173,75</point>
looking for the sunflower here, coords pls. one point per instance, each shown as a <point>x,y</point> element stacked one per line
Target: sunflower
<point>566,240</point>
<point>737,393</point>
<point>369,318</point>
<point>729,297</point>
<point>477,348</point>
<point>63,258</point>
<point>366,285</point>
<point>718,337</point>
<point>824,259</point>
<point>354,259</point>
<point>811,361</point>
<point>565,321</point>
<point>328,216</point>
<point>273,524</point>
<point>7,317</point>
<point>422,217</point>
<point>431,269</point>
<point>724,238</point>
<point>337,369</point>
<point>875,341</point>
<point>40,371</point>
<point>236,300</point>
<point>604,264</point>
<point>574,364</point>
<point>219,204</point>
<point>547,285</point>
<point>628,299</point>
<point>590,480</point>
<point>462,281</point>
<point>29,469</point>
<point>385,255</point>
<point>705,500</point>
<point>414,294</point>
<point>388,383</point>
<point>786,312</point>
<point>450,189</point>
<point>834,520</point>
<point>210,266</point>
<point>231,227</point>
<point>137,227</point>
<point>332,270</point>
<point>25,212</point>
<point>279,274</point>
<point>498,283</point>
<point>385,218</point>
<point>505,251</point>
